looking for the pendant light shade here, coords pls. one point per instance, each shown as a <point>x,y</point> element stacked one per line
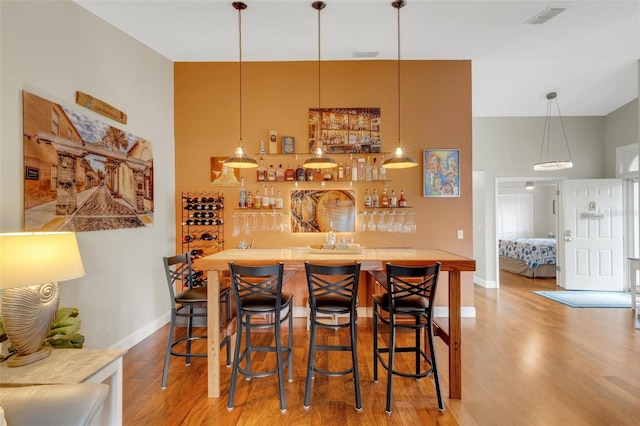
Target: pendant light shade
<point>240,160</point>
<point>545,163</point>
<point>319,160</point>
<point>399,160</point>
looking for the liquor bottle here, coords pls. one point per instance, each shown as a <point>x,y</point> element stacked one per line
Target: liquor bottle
<point>271,174</point>
<point>309,173</point>
<point>266,200</point>
<point>385,197</point>
<point>257,202</point>
<point>327,175</point>
<point>361,169</point>
<point>272,198</point>
<point>280,173</point>
<point>340,172</point>
<point>375,174</point>
<point>279,201</point>
<point>367,170</point>
<point>290,174</point>
<point>261,172</point>
<point>354,169</point>
<point>250,200</point>
<point>402,202</point>
<point>375,200</point>
<point>382,174</point>
<point>367,198</point>
<point>242,203</point>
<point>300,174</point>
<point>317,175</point>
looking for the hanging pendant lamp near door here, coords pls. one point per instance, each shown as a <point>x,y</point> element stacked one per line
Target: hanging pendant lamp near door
<point>546,164</point>
<point>240,160</point>
<point>399,159</point>
<point>319,160</point>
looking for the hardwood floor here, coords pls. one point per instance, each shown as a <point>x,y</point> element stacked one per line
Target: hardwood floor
<point>527,360</point>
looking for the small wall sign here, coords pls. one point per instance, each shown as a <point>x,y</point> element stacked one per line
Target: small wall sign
<point>592,215</point>
<point>32,173</point>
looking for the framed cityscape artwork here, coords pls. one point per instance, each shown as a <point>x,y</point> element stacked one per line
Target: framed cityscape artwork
<point>82,174</point>
<point>441,173</point>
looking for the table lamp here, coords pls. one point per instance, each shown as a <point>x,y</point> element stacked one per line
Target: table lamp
<point>31,264</point>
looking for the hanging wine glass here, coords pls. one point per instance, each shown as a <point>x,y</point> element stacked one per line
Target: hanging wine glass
<point>247,229</point>
<point>362,224</point>
<point>399,225</point>
<point>254,226</point>
<point>371,226</point>
<point>390,225</point>
<point>236,225</point>
<point>264,226</point>
<point>274,222</point>
<point>381,225</point>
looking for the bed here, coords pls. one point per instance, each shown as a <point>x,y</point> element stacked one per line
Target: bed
<point>531,257</point>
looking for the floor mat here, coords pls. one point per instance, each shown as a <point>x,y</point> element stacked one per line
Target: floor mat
<point>589,299</point>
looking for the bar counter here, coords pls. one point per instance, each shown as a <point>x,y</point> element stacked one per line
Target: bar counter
<point>371,259</point>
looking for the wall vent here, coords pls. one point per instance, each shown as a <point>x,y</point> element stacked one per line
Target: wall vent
<point>372,54</point>
<point>545,15</point>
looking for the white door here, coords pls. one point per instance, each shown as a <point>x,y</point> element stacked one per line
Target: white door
<point>590,246</point>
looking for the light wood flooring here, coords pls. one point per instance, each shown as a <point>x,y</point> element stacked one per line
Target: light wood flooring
<point>527,360</point>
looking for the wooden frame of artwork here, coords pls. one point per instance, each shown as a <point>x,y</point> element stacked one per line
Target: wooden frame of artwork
<point>441,173</point>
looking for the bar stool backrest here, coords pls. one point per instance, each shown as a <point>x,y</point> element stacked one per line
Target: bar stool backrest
<point>263,281</point>
<point>179,273</point>
<point>411,282</point>
<point>326,281</point>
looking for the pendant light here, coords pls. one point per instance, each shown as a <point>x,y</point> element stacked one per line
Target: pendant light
<point>319,160</point>
<point>546,164</point>
<point>240,160</point>
<point>399,160</point>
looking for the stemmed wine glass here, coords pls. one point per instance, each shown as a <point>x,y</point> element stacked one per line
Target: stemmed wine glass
<point>274,222</point>
<point>362,224</point>
<point>254,227</point>
<point>381,226</point>
<point>371,226</point>
<point>390,225</point>
<point>264,226</point>
<point>246,228</point>
<point>236,225</point>
<point>399,225</point>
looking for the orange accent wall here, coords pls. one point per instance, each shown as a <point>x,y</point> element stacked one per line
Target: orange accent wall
<point>435,113</point>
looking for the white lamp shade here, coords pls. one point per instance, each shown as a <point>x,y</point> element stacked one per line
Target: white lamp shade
<point>32,258</point>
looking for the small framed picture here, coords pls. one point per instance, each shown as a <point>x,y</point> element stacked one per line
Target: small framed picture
<point>441,173</point>
<point>288,145</point>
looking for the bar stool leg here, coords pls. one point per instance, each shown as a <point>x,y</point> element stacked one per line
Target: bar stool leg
<point>311,363</point>
<point>353,328</point>
<point>236,365</point>
<point>392,349</point>
<point>283,403</point>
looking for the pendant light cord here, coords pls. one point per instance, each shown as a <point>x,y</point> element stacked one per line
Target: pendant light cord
<point>398,4</point>
<point>240,8</point>
<point>319,5</point>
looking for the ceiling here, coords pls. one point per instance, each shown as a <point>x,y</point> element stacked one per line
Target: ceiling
<point>588,53</point>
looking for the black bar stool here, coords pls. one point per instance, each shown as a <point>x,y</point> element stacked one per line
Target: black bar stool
<point>333,290</point>
<point>258,292</point>
<point>407,305</point>
<point>185,304</point>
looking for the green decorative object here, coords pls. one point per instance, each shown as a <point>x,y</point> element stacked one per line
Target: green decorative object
<point>63,334</point>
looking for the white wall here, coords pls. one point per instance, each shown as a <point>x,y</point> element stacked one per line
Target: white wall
<point>54,49</point>
<point>506,147</point>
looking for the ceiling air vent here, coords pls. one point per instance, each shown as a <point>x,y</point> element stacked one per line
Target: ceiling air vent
<point>545,15</point>
<point>372,54</point>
